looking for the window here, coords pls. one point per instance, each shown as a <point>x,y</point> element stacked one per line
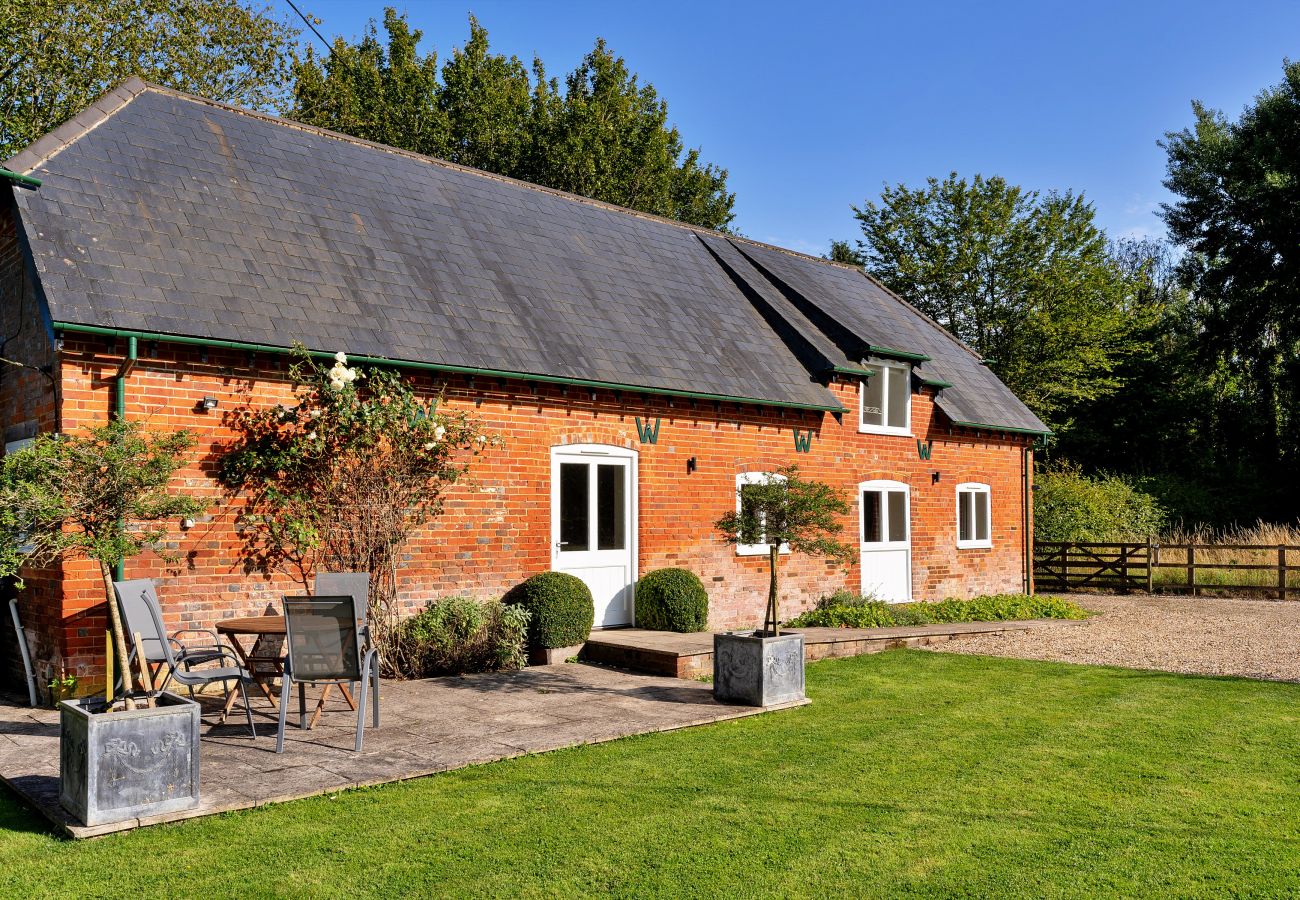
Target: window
<point>885,400</point>
<point>973,515</point>
<point>743,480</point>
<point>884,512</point>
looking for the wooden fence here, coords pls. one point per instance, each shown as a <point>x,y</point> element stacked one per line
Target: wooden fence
<point>1196,569</point>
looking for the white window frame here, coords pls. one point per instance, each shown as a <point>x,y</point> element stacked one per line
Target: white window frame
<point>886,371</point>
<point>973,488</point>
<point>744,478</point>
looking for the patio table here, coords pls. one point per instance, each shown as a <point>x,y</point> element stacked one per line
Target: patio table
<point>265,660</point>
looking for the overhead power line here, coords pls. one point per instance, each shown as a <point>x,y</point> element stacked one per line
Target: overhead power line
<point>329,48</point>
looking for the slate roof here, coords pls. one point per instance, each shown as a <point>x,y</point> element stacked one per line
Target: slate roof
<point>165,213</point>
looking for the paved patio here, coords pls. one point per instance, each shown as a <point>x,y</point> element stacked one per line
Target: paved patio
<point>426,727</point>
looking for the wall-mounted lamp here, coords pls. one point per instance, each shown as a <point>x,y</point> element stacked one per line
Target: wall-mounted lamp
<point>690,465</point>
<point>934,477</point>
<point>187,523</point>
<point>208,403</point>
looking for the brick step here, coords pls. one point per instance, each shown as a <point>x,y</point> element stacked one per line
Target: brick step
<point>691,655</point>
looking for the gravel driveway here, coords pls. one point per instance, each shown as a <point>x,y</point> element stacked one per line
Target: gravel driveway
<point>1250,638</point>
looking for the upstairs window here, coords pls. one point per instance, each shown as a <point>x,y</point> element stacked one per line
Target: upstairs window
<point>885,400</point>
<point>973,516</point>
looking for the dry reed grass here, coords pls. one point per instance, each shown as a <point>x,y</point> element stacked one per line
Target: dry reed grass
<point>1224,547</point>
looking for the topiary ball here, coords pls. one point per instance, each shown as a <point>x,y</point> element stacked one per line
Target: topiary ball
<point>671,600</point>
<point>561,609</point>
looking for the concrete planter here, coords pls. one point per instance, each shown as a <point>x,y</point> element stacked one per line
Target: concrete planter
<point>757,671</point>
<point>115,766</point>
<point>543,656</point>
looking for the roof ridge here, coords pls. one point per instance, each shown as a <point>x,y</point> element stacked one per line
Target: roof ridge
<point>49,145</point>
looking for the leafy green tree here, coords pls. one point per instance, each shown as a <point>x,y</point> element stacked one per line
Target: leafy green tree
<point>57,57</point>
<point>103,495</point>
<point>601,133</point>
<point>1238,216</point>
<point>787,510</point>
<point>342,479</point>
<point>1025,279</point>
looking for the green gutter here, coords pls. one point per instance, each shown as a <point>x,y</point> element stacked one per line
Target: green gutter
<point>936,383</point>
<point>1007,428</point>
<point>890,353</point>
<point>432,367</point>
<point>24,180</point>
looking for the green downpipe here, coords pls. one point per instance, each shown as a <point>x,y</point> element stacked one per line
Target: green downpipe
<point>119,413</point>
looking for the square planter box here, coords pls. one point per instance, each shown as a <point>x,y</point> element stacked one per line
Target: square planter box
<point>757,671</point>
<point>115,766</point>
<point>539,656</point>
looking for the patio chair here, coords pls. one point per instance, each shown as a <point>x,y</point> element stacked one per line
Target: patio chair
<point>325,648</point>
<point>137,599</point>
<point>141,613</point>
<point>356,584</point>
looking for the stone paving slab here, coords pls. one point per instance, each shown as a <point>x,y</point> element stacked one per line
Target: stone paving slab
<point>426,727</point>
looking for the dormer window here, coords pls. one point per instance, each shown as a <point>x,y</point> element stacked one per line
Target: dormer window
<point>885,400</point>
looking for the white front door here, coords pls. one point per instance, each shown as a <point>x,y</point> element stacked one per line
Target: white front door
<point>594,524</point>
<point>884,519</point>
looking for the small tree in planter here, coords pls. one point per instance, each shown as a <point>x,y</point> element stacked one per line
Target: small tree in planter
<point>783,510</point>
<point>344,478</point>
<point>102,495</point>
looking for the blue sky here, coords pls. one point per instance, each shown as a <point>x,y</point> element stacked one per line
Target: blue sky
<point>814,106</point>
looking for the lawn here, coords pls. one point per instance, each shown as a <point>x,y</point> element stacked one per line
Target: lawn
<point>911,773</point>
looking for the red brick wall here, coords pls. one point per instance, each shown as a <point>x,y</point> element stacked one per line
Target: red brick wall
<point>27,407</point>
<point>497,531</point>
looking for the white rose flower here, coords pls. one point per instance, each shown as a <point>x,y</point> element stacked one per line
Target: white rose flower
<point>430,445</point>
<point>341,358</point>
<point>315,413</point>
<point>439,431</point>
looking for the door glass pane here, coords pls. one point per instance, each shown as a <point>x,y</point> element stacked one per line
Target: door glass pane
<point>963,516</point>
<point>981,516</point>
<point>900,394</point>
<point>873,400</point>
<point>574,509</point>
<point>897,516</point>
<point>871,523</point>
<point>610,501</point>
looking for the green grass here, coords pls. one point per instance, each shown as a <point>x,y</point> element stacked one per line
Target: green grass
<point>911,773</point>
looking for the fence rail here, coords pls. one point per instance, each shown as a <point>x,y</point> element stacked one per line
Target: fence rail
<point>1270,569</point>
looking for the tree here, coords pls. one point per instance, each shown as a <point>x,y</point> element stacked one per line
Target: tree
<point>56,58</point>
<point>786,510</point>
<point>1026,280</point>
<point>345,477</point>
<point>1238,216</point>
<point>103,495</point>
<point>602,135</point>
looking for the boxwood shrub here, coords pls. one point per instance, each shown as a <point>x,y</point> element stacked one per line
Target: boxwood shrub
<point>561,609</point>
<point>671,600</point>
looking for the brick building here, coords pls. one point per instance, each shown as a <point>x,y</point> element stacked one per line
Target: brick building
<point>639,370</point>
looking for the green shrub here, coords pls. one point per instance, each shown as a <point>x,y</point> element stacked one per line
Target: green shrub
<point>561,609</point>
<point>1070,506</point>
<point>456,635</point>
<point>671,600</point>
<point>866,612</point>
<point>843,597</point>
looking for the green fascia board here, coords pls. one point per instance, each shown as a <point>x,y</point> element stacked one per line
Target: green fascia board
<point>19,178</point>
<point>850,370</point>
<point>935,382</point>
<point>434,367</point>
<point>891,353</point>
<point>986,427</point>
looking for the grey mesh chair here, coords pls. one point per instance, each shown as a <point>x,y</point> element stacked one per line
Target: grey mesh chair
<point>324,647</point>
<point>357,585</point>
<point>142,614</point>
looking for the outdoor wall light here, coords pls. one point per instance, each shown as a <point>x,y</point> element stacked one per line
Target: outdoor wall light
<point>934,476</point>
<point>209,403</point>
<point>690,465</point>
<point>187,523</point>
